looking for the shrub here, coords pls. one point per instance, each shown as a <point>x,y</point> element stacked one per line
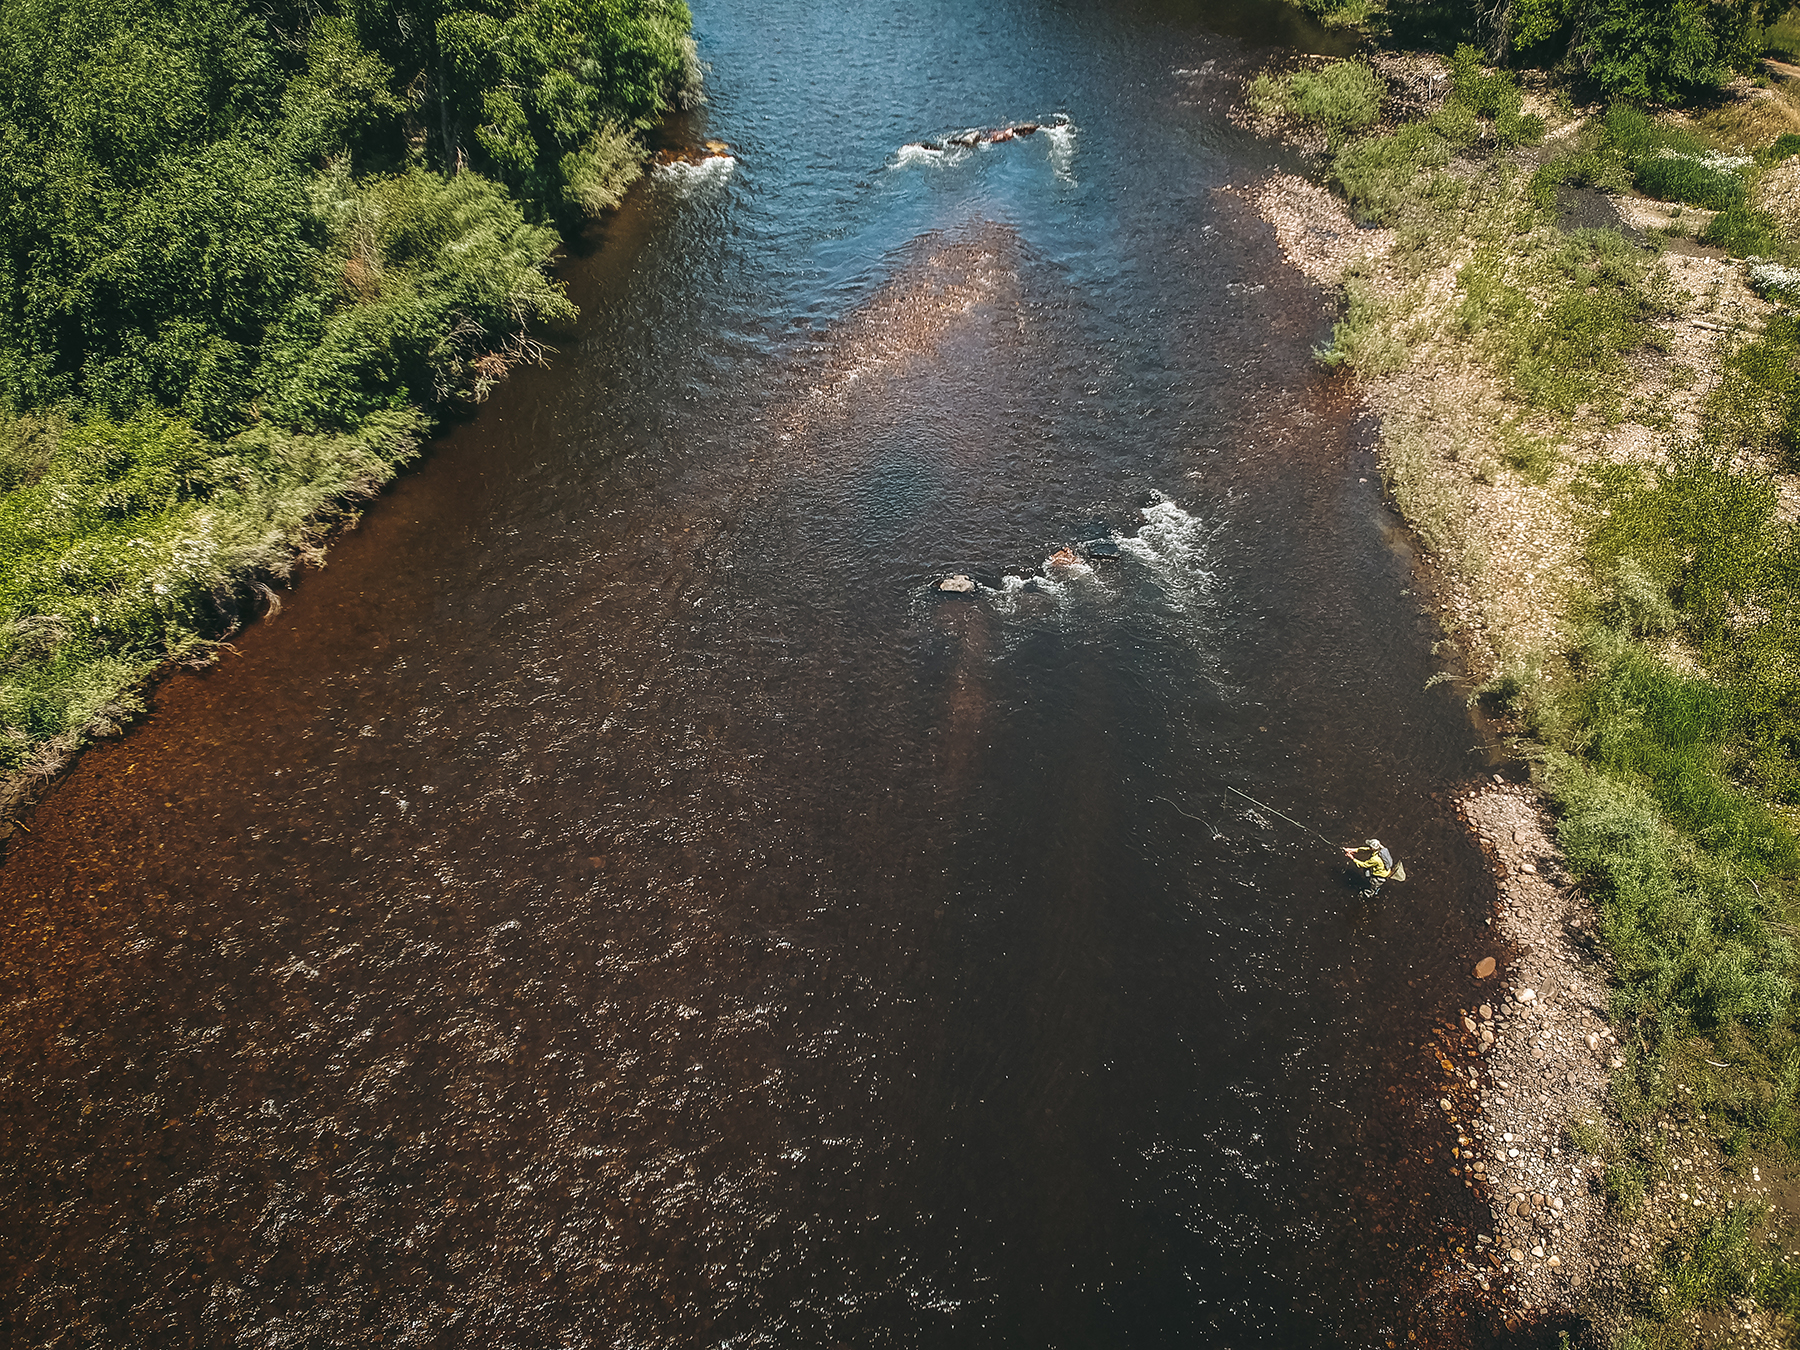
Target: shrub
<point>1747,232</point>
<point>1655,51</point>
<point>595,177</point>
<point>1342,98</point>
<point>1380,175</point>
<point>1676,178</point>
<point>1639,603</point>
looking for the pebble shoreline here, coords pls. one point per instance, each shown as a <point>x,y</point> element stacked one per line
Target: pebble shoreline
<point>1531,1055</point>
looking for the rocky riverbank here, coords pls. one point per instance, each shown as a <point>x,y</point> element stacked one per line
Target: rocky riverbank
<point>1538,1049</point>
<point>1525,1065</point>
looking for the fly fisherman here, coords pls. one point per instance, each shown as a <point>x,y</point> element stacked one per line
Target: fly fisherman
<point>1378,866</point>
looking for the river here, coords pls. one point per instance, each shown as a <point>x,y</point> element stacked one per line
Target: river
<point>622,902</point>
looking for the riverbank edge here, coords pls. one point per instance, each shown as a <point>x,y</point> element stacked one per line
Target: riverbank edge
<point>249,597</point>
<point>1529,1060</point>
<point>249,592</point>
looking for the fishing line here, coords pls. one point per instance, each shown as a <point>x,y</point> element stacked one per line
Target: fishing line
<point>1289,819</point>
<point>1202,819</point>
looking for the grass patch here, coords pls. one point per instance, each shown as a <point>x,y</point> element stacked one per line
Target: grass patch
<point>126,544</point>
<point>1560,318</point>
<point>1381,175</point>
<point>1531,457</point>
<point>1674,178</point>
<point>1708,1268</point>
<point>1785,146</point>
<point>1628,149</point>
<point>1746,232</point>
<point>1342,98</point>
<point>1672,164</point>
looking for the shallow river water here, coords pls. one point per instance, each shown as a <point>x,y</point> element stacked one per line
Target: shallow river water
<point>620,902</point>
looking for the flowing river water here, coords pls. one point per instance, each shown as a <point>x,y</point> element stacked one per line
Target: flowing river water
<point>621,902</point>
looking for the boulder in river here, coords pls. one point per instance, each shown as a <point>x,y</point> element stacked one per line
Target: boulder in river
<point>958,583</point>
<point>1101,549</point>
<point>1484,967</point>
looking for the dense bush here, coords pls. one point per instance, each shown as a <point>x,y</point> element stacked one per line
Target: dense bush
<point>535,93</point>
<point>1660,51</point>
<point>1379,173</point>
<point>245,253</point>
<point>1343,98</point>
<point>1648,51</point>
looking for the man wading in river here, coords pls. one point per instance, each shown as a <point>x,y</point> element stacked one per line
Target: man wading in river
<point>1377,867</point>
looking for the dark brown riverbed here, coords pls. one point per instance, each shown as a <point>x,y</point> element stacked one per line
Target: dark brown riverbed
<point>620,902</point>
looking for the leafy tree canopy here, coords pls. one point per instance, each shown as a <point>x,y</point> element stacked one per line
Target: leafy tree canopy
<point>1646,51</point>
<point>245,247</point>
<point>161,211</point>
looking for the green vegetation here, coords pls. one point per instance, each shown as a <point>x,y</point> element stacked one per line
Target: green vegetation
<point>1667,731</point>
<point>1380,174</point>
<point>1644,51</point>
<point>1343,97</point>
<point>1627,148</point>
<point>250,252</point>
<point>1705,1269</point>
<point>1556,313</point>
<point>1781,39</point>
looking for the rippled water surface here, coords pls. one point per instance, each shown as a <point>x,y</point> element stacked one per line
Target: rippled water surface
<point>621,902</point>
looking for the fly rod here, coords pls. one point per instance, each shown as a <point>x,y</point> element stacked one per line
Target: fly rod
<point>1284,815</point>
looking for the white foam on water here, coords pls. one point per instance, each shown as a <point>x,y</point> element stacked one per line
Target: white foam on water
<point>688,179</point>
<point>929,156</point>
<point>1062,148</point>
<point>1175,547</point>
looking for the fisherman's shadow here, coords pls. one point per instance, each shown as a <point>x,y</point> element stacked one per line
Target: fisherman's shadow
<point>1362,906</point>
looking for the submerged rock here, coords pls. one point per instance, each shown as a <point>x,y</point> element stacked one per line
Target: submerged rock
<point>1484,967</point>
<point>1101,549</point>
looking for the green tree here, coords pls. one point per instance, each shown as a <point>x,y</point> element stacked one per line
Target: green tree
<point>1658,51</point>
<point>538,93</point>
